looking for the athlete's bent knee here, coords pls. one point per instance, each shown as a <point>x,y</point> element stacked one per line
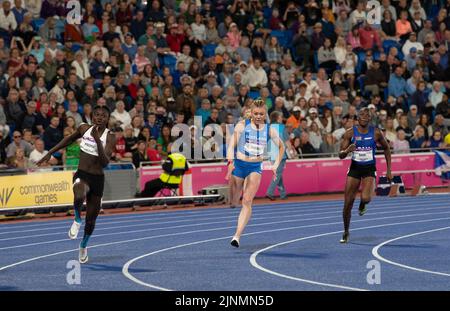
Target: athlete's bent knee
<point>247,201</point>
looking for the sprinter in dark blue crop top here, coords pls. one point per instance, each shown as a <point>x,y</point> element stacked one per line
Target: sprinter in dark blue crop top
<point>361,140</point>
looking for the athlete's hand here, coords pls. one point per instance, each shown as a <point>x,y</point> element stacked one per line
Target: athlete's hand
<point>44,160</point>
<point>351,148</point>
<point>274,170</point>
<point>389,175</point>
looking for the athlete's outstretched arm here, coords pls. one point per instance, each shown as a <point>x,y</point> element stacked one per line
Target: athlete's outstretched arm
<point>346,147</point>
<point>66,141</point>
<point>104,154</point>
<point>387,151</point>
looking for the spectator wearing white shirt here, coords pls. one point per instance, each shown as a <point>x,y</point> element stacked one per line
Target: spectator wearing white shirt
<point>33,6</point>
<point>97,47</point>
<point>257,75</point>
<point>39,152</point>
<point>313,117</point>
<point>198,28</point>
<point>416,7</point>
<point>358,15</point>
<point>244,73</point>
<point>412,43</point>
<point>121,115</point>
<point>7,19</point>
<point>81,66</point>
<point>312,89</point>
<point>401,145</point>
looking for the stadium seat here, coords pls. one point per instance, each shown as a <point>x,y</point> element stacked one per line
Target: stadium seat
<point>283,37</point>
<point>316,61</point>
<point>387,44</point>
<point>37,23</point>
<point>170,61</point>
<point>361,83</point>
<point>253,94</point>
<point>209,50</point>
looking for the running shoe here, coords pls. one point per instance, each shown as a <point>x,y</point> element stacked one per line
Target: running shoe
<point>345,237</point>
<point>235,242</point>
<point>83,255</point>
<point>363,210</point>
<point>74,229</point>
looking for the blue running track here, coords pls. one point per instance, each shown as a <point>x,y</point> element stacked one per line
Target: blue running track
<point>286,246</point>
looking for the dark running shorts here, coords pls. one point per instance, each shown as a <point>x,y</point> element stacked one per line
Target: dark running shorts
<point>362,171</point>
<point>96,183</point>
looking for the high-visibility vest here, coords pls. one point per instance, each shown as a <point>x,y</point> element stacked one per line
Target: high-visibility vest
<point>178,163</point>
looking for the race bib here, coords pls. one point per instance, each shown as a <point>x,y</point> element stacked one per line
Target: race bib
<point>362,155</point>
<point>254,149</point>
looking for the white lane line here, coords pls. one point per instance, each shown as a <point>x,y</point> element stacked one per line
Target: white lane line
<point>156,220</point>
<point>103,219</point>
<point>232,221</point>
<point>213,210</point>
<point>376,254</point>
<point>169,214</point>
<point>146,223</point>
<point>126,267</point>
<point>190,232</point>
<point>150,217</point>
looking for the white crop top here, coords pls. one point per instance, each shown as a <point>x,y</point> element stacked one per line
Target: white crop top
<point>88,144</point>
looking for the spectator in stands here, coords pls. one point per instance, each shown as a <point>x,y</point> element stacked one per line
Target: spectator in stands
<point>418,141</point>
<point>439,125</point>
<point>39,152</point>
<point>52,134</point>
<point>412,43</point>
<point>436,141</point>
<point>403,26</point>
<point>397,84</point>
<point>326,56</point>
<point>18,143</point>
<point>19,160</point>
<point>400,144</point>
<point>140,154</point>
<point>315,136</point>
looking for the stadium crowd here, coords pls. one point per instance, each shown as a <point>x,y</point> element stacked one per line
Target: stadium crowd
<point>156,63</point>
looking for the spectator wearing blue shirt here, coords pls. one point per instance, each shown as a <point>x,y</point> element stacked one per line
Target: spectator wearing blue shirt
<point>19,11</point>
<point>97,66</point>
<point>397,85</point>
<point>418,140</point>
<point>327,27</point>
<point>444,56</point>
<point>204,111</point>
<point>411,59</point>
<point>178,73</point>
<point>129,47</point>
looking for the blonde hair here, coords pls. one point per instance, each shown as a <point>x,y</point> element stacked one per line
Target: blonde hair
<point>258,103</point>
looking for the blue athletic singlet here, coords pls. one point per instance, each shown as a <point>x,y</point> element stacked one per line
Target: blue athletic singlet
<point>365,146</point>
<point>252,142</point>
